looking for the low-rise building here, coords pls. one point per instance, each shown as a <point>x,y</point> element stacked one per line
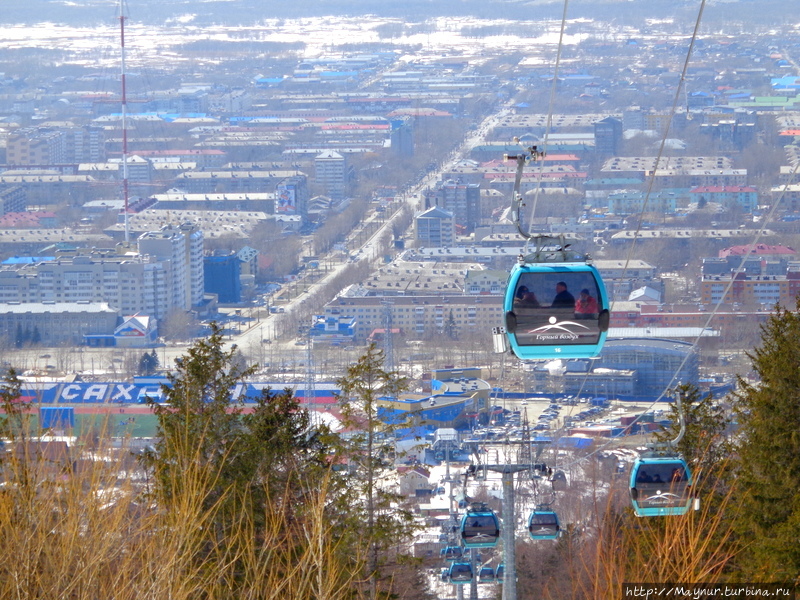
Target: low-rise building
<point>742,197</point>
<point>54,323</point>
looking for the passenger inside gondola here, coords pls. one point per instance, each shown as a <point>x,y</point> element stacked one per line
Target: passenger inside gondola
<point>563,298</point>
<point>664,473</point>
<point>558,322</point>
<point>661,487</point>
<point>544,519</point>
<point>586,306</point>
<point>482,524</point>
<point>525,298</point>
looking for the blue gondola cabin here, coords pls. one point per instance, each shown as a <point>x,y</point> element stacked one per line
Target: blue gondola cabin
<point>480,529</point>
<point>460,573</point>
<point>555,310</point>
<point>543,525</point>
<point>486,575</point>
<point>661,486</point>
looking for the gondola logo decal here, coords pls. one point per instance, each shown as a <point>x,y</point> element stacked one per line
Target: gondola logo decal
<point>557,330</point>
<point>662,498</point>
<point>543,530</point>
<point>480,536</point>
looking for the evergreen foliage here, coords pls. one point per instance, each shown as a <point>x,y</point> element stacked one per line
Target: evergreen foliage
<point>269,456</point>
<point>14,420</point>
<point>704,445</point>
<point>256,467</point>
<point>769,453</point>
<point>199,422</point>
<point>450,326</point>
<point>148,363</point>
<point>372,458</point>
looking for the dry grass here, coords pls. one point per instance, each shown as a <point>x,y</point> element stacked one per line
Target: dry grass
<point>693,548</point>
<point>77,529</point>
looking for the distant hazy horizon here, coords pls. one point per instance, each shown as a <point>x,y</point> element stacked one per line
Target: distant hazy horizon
<point>208,12</point>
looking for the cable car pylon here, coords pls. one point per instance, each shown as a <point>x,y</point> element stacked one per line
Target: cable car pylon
<point>507,531</point>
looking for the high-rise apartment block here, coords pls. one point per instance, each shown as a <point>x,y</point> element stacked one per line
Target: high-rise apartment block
<point>331,173</point>
<point>435,228</point>
<point>461,199</point>
<point>36,146</point>
<point>165,272</point>
<point>56,146</point>
<point>13,198</point>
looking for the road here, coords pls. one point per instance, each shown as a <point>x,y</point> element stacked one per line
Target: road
<point>260,333</point>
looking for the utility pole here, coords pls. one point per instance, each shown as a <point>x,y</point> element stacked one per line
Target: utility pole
<point>388,341</point>
<point>310,391</point>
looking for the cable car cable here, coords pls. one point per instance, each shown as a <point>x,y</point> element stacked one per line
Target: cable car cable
<point>549,120</point>
<point>711,315</point>
<point>647,197</point>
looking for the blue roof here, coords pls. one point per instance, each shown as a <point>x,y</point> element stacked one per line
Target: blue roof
<point>789,81</point>
<point>27,260</point>
<point>172,116</point>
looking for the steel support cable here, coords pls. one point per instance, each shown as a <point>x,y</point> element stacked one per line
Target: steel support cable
<point>717,305</point>
<point>676,99</point>
<point>651,181</point>
<point>548,122</point>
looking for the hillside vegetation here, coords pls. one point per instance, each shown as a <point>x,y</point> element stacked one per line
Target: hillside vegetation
<point>270,504</point>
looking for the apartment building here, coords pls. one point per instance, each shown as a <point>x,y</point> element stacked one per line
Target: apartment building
<point>435,228</point>
<point>751,290</point>
<point>36,146</point>
<point>330,173</point>
<point>419,317</point>
<point>182,246</point>
<point>463,200</point>
<point>163,273</point>
<point>13,199</point>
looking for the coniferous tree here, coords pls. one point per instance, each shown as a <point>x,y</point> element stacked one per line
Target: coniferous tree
<point>154,360</point>
<point>450,327</point>
<point>199,422</point>
<point>14,421</point>
<point>704,445</point>
<point>768,477</point>
<point>148,364</point>
<point>282,457</point>
<point>251,463</point>
<point>385,526</point>
<point>16,428</point>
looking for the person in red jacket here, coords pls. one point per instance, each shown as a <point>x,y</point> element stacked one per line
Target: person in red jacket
<point>586,306</point>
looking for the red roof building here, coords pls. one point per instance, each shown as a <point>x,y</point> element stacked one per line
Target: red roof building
<point>761,250</point>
